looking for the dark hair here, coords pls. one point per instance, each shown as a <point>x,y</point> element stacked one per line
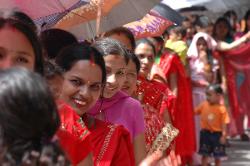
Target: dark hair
<point>29,33</point>
<point>185,19</point>
<point>135,60</point>
<point>227,23</point>
<point>215,88</point>
<point>108,46</point>
<point>25,19</point>
<point>159,39</point>
<point>202,21</point>
<point>229,16</point>
<point>148,42</point>
<point>53,40</point>
<point>230,13</point>
<point>165,33</point>
<point>124,31</point>
<point>178,30</point>
<point>50,154</point>
<point>201,38</point>
<point>76,52</point>
<point>28,114</point>
<point>51,70</point>
<point>246,17</point>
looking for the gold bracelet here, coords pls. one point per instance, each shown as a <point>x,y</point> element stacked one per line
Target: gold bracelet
<point>163,140</point>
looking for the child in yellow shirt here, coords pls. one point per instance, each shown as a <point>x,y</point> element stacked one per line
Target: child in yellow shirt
<point>214,118</point>
<point>176,43</point>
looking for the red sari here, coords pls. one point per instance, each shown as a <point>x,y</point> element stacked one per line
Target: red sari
<point>155,98</point>
<point>110,144</point>
<point>182,116</point>
<point>73,135</point>
<point>237,72</point>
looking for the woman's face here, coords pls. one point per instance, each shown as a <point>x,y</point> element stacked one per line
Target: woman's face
<point>15,49</point>
<point>221,30</point>
<point>145,54</point>
<point>116,74</point>
<point>201,44</point>
<point>129,85</point>
<point>82,85</point>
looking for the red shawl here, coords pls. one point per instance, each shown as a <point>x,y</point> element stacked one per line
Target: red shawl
<point>155,98</point>
<point>73,135</point>
<point>237,71</point>
<point>182,116</point>
<point>111,145</point>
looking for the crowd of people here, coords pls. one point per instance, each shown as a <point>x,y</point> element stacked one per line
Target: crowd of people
<point>116,100</point>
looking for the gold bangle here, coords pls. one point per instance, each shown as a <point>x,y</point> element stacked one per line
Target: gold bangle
<point>163,140</point>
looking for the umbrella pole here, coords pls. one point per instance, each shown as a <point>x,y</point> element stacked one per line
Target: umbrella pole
<point>99,14</point>
<point>92,31</point>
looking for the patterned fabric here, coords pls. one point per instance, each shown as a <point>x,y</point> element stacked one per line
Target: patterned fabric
<point>163,140</point>
<point>155,99</point>
<point>154,124</point>
<point>50,20</point>
<point>148,26</point>
<point>111,144</point>
<point>74,137</point>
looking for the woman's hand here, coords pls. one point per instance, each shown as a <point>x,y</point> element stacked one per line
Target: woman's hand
<point>156,159</point>
<point>247,35</point>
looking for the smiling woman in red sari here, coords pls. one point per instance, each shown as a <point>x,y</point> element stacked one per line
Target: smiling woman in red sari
<point>111,144</point>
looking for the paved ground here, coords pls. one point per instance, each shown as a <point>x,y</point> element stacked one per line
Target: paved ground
<point>238,154</point>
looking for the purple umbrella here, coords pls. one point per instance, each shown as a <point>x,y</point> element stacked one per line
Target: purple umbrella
<point>43,12</point>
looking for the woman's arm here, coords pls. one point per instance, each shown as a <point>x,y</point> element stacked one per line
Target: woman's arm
<point>173,83</point>
<point>223,46</point>
<point>139,148</point>
<point>88,161</point>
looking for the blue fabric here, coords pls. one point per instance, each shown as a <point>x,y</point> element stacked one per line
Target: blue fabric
<point>210,144</point>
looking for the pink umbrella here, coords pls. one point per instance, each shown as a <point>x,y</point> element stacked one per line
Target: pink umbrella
<point>43,11</point>
<point>149,26</point>
<point>85,22</point>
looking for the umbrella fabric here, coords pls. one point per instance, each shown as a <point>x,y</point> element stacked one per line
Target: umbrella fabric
<point>37,9</point>
<point>176,5</point>
<point>86,13</point>
<point>215,7</point>
<point>192,9</point>
<point>167,12</point>
<point>120,12</point>
<point>198,10</point>
<point>148,26</point>
<point>50,20</point>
